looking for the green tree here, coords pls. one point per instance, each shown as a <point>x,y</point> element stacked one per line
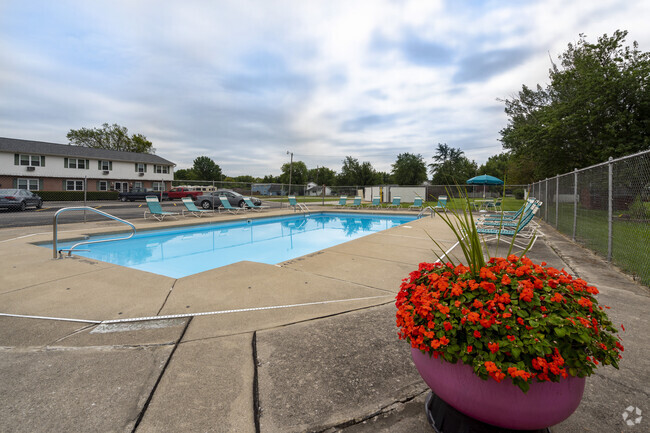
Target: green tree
<point>321,176</point>
<point>383,178</point>
<point>409,169</point>
<point>596,105</point>
<point>206,169</point>
<point>451,166</point>
<point>245,179</point>
<point>354,173</point>
<point>271,179</point>
<point>112,137</point>
<point>496,165</point>
<point>298,173</point>
<point>184,174</point>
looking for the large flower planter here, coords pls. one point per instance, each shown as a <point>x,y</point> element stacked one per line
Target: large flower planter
<point>500,404</point>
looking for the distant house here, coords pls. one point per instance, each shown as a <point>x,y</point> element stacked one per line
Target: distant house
<point>317,190</point>
<point>37,165</point>
<point>267,189</point>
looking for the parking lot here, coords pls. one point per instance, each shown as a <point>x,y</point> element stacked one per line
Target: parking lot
<point>44,216</point>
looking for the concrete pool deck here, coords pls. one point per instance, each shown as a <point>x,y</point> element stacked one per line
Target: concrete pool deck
<point>309,345</point>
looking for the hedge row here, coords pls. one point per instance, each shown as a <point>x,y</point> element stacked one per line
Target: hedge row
<point>76,195</point>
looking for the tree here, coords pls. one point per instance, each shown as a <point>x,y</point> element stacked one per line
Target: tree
<point>206,169</point>
<point>112,137</point>
<point>354,173</point>
<point>322,176</point>
<point>451,166</point>
<point>298,173</point>
<point>409,169</point>
<point>271,179</point>
<point>184,174</point>
<point>596,105</point>
<point>496,165</point>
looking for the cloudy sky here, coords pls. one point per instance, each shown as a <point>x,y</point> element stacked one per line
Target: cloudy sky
<point>244,81</point>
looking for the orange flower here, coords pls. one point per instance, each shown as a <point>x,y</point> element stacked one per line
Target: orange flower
<point>477,334</point>
<point>494,347</point>
<point>447,326</point>
<point>505,280</point>
<point>469,349</point>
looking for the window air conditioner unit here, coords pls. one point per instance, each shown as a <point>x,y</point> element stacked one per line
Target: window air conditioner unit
<point>30,168</point>
<point>141,174</point>
<point>106,172</point>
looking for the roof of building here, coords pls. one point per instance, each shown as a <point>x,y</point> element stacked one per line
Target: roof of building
<point>67,150</point>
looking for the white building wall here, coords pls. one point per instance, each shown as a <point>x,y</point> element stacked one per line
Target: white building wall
<point>408,193</point>
<point>54,167</point>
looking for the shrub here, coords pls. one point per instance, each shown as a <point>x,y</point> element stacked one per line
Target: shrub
<point>638,209</point>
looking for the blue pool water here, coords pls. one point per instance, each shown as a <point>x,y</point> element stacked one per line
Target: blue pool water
<point>180,252</point>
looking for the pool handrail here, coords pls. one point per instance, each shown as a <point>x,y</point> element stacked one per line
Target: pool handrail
<point>428,208</point>
<point>69,250</point>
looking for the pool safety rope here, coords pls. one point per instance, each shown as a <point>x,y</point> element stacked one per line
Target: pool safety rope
<point>179,316</point>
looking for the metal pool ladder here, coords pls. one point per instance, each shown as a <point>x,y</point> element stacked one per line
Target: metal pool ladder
<point>303,208</point>
<point>69,250</point>
<point>430,209</point>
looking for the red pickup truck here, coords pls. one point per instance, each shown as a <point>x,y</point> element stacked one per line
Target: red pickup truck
<point>180,192</point>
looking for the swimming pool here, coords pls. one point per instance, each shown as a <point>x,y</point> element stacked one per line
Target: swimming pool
<point>179,252</point>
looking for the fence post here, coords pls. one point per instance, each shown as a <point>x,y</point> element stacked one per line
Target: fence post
<point>546,199</point>
<point>85,190</point>
<point>610,207</point>
<point>575,202</point>
<point>557,198</point>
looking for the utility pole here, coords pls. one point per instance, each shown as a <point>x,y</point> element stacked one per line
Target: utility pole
<point>290,170</point>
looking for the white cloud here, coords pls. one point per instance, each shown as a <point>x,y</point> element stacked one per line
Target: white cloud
<point>244,81</point>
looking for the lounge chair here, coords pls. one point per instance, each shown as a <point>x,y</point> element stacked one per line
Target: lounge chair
<point>526,230</point>
<point>356,203</point>
<point>191,208</point>
<point>527,216</point>
<point>513,215</point>
<point>253,206</point>
<point>342,201</point>
<point>442,203</point>
<point>227,207</point>
<point>397,203</point>
<point>376,203</point>
<point>417,204</point>
<point>155,210</point>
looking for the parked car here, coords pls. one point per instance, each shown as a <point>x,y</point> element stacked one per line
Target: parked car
<point>235,199</point>
<point>19,199</point>
<point>140,194</point>
<point>180,192</point>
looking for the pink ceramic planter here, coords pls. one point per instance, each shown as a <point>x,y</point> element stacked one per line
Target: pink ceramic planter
<point>501,404</point>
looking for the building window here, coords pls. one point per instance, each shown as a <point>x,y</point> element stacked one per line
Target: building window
<point>29,184</point>
<point>161,169</point>
<point>158,186</point>
<point>137,185</point>
<point>31,160</point>
<point>75,163</point>
<point>140,167</point>
<point>102,185</point>
<point>106,165</point>
<point>74,185</point>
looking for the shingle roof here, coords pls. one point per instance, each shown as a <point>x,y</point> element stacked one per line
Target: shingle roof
<point>67,150</point>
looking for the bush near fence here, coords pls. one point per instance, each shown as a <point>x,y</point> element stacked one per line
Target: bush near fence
<point>76,195</point>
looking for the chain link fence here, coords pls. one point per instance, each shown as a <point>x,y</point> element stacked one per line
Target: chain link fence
<point>605,207</point>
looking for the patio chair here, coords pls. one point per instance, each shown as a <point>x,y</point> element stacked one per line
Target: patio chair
<point>376,203</point>
<point>397,203</point>
<point>494,205</point>
<point>526,231</point>
<point>509,223</point>
<point>254,206</point>
<point>417,204</point>
<point>356,203</point>
<point>342,200</point>
<point>228,207</point>
<point>191,208</point>
<point>442,204</point>
<point>293,202</point>
<point>155,210</point>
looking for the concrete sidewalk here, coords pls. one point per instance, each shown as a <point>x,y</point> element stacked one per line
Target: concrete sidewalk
<point>310,345</point>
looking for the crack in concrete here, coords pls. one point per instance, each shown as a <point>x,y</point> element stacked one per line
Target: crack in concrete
<point>167,297</point>
<point>160,376</point>
<point>390,408</point>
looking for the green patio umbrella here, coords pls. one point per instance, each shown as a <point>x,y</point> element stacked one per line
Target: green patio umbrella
<point>484,179</point>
